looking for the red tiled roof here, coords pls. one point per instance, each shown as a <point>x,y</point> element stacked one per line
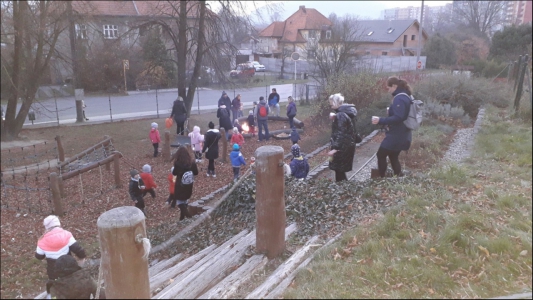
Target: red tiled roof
<point>303,19</point>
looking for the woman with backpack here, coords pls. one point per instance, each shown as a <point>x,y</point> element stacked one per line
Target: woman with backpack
<point>184,169</point>
<point>398,137</point>
<point>342,136</point>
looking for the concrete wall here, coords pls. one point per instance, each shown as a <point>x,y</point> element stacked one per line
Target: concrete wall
<point>390,63</point>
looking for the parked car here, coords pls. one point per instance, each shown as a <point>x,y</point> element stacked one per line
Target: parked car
<point>258,67</point>
<point>244,70</point>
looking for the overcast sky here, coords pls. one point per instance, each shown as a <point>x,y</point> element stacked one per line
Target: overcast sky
<point>363,9</point>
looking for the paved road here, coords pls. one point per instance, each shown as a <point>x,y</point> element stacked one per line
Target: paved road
<point>137,104</point>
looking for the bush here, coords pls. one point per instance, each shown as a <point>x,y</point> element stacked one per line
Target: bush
<point>488,68</point>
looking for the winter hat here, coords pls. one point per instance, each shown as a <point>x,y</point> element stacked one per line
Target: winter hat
<point>211,125</point>
<point>154,125</point>
<point>295,150</point>
<point>147,168</point>
<point>224,93</point>
<point>134,172</point>
<point>51,222</point>
<point>235,129</point>
<point>235,146</point>
<point>196,129</point>
<point>251,112</point>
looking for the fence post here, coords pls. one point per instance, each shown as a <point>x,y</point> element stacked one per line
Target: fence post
<point>123,260</point>
<point>520,87</point>
<point>56,195</point>
<point>270,201</point>
<point>110,112</point>
<point>116,167</point>
<point>517,71</point>
<point>60,150</point>
<point>224,144</point>
<point>61,186</point>
<point>165,152</point>
<point>78,96</point>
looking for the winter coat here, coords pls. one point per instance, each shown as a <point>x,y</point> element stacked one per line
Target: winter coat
<point>135,190</point>
<point>148,180</point>
<point>171,182</point>
<point>273,99</point>
<point>237,138</point>
<point>73,282</point>
<point>343,138</point>
<point>398,137</point>
<point>251,121</point>
<point>239,127</point>
<point>224,101</point>
<point>54,244</point>
<point>196,139</point>
<point>236,104</point>
<point>224,119</point>
<point>154,136</point>
<point>295,136</point>
<point>299,167</point>
<point>212,136</point>
<point>237,160</point>
<point>256,110</point>
<point>182,192</point>
<point>179,112</point>
<point>291,109</point>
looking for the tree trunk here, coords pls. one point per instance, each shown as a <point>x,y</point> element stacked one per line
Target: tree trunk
<point>182,51</point>
<point>199,55</point>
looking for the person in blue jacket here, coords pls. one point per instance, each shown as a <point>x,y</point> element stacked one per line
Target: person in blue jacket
<point>299,165</point>
<point>237,160</point>
<point>398,137</point>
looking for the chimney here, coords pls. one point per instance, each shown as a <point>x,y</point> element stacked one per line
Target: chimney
<point>302,8</point>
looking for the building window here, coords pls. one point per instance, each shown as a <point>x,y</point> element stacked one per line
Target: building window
<point>110,32</point>
<point>413,37</point>
<point>384,53</point>
<point>312,34</point>
<point>81,31</point>
<point>328,34</point>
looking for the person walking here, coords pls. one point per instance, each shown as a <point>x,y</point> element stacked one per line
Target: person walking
<point>291,112</point>
<point>135,190</point>
<point>197,140</point>
<point>273,102</point>
<point>179,112</point>
<point>224,120</point>
<point>398,137</point>
<point>236,107</point>
<point>148,180</point>
<point>342,136</point>
<point>171,183</point>
<point>155,138</point>
<point>184,169</point>
<point>261,114</point>
<point>237,160</point>
<point>212,136</point>
<point>83,106</point>
<point>54,243</point>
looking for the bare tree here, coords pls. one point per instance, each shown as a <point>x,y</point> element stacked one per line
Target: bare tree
<point>482,16</point>
<point>336,52</point>
<point>36,26</point>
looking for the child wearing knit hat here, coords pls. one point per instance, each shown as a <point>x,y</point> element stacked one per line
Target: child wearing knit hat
<point>236,137</point>
<point>251,122</point>
<point>148,180</point>
<point>237,160</point>
<point>299,165</point>
<point>135,190</point>
<point>155,138</point>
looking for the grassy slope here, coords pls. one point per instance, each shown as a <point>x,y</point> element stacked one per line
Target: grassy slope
<point>464,232</point>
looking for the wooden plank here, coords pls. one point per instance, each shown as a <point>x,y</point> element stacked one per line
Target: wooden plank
<point>165,264</point>
<point>159,279</point>
<point>228,287</point>
<point>278,291</point>
<point>164,294</point>
<point>213,271</point>
<point>283,270</point>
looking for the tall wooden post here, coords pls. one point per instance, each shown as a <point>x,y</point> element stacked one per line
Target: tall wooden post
<point>224,144</point>
<point>165,152</point>
<point>270,201</point>
<point>116,166</point>
<point>124,269</point>
<point>106,150</point>
<point>61,186</point>
<point>56,195</point>
<point>60,150</point>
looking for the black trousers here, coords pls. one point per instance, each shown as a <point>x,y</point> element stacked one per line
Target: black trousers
<point>394,161</point>
<point>140,204</point>
<point>156,149</point>
<point>340,176</point>
<point>149,191</point>
<point>211,167</point>
<point>291,122</point>
<point>181,128</point>
<point>184,211</point>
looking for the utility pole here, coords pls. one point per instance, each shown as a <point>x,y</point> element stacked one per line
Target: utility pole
<point>420,35</point>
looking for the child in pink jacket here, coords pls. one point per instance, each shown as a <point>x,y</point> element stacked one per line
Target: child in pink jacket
<point>155,138</point>
<point>197,143</point>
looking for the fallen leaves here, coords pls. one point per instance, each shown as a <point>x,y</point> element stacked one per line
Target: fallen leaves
<point>484,250</point>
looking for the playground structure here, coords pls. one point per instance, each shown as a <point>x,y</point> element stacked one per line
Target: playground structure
<point>43,179</point>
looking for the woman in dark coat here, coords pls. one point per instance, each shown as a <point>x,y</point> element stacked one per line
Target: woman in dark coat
<point>398,137</point>
<point>212,136</point>
<point>223,115</point>
<point>342,137</point>
<point>179,112</point>
<point>183,164</point>
<point>236,107</point>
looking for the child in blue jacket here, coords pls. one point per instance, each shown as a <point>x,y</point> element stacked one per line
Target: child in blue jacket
<point>237,160</point>
<point>299,165</point>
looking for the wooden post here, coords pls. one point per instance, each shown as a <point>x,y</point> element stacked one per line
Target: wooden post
<point>56,195</point>
<point>270,201</point>
<point>106,150</point>
<point>165,152</point>
<point>124,269</point>
<point>61,187</point>
<point>224,144</point>
<point>116,166</point>
<point>60,150</point>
